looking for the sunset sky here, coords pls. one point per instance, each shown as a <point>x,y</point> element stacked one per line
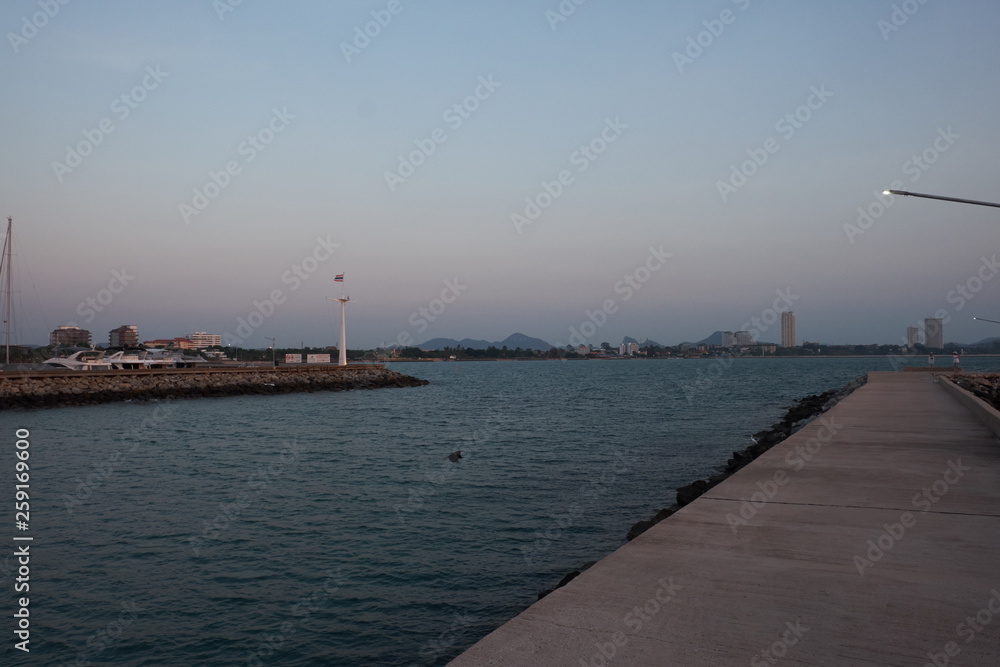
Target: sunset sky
<point>179,164</point>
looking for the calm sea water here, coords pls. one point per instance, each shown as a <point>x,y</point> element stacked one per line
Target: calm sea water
<point>328,528</point>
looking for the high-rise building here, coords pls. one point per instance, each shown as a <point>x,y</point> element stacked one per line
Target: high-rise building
<point>126,335</point>
<point>202,340</point>
<point>934,332</point>
<point>72,336</point>
<point>788,329</point>
<point>912,336</point>
<point>728,339</point>
<point>744,338</point>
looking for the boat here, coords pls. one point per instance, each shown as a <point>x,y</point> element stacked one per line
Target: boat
<point>85,360</point>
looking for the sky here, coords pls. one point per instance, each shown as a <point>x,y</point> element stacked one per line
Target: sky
<point>575,171</point>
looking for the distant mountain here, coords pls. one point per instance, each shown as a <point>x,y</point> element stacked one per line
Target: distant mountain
<point>473,343</point>
<point>438,344</point>
<point>519,340</point>
<point>985,341</point>
<point>714,339</point>
<point>644,343</point>
<point>514,341</point>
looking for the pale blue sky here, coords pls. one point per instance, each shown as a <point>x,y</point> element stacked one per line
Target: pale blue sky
<point>656,184</point>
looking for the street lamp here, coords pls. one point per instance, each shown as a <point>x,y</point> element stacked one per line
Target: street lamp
<point>903,193</point>
<point>273,362</point>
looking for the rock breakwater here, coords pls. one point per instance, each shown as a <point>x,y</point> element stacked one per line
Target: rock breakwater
<point>54,389</point>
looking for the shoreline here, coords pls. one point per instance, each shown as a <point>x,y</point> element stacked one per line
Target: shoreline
<point>32,391</point>
<point>804,411</point>
<point>430,360</point>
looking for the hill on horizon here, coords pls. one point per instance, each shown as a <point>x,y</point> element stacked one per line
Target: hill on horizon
<point>648,341</point>
<point>985,341</point>
<point>513,341</point>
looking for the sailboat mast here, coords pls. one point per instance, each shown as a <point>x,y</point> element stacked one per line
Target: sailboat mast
<point>9,243</point>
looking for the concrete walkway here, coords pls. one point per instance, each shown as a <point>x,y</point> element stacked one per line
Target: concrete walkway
<point>871,537</point>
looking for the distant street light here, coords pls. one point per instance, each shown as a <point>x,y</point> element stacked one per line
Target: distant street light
<point>273,345</point>
<point>960,201</point>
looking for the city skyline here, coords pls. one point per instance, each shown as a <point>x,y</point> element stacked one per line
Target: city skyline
<point>652,170</point>
<point>931,330</point>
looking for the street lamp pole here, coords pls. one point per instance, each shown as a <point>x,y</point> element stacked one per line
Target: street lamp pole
<point>273,345</point>
<point>903,193</point>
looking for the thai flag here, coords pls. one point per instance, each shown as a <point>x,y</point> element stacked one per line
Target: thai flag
<point>339,278</point>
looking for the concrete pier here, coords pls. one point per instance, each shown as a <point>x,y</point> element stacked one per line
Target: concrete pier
<point>870,537</point>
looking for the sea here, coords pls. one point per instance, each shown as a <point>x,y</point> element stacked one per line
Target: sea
<point>331,528</point>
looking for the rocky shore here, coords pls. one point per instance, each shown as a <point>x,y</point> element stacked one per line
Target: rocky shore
<point>43,390</point>
<point>798,415</point>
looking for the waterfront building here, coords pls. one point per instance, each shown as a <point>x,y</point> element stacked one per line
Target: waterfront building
<point>912,336</point>
<point>583,350</point>
<point>201,340</point>
<point>728,339</point>
<point>126,335</point>
<point>744,338</point>
<point>934,332</point>
<point>182,343</point>
<point>788,329</point>
<point>70,336</point>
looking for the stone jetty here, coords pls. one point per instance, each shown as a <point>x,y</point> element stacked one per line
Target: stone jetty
<point>61,388</point>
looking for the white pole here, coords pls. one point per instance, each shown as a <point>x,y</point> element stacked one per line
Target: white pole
<point>343,332</point>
